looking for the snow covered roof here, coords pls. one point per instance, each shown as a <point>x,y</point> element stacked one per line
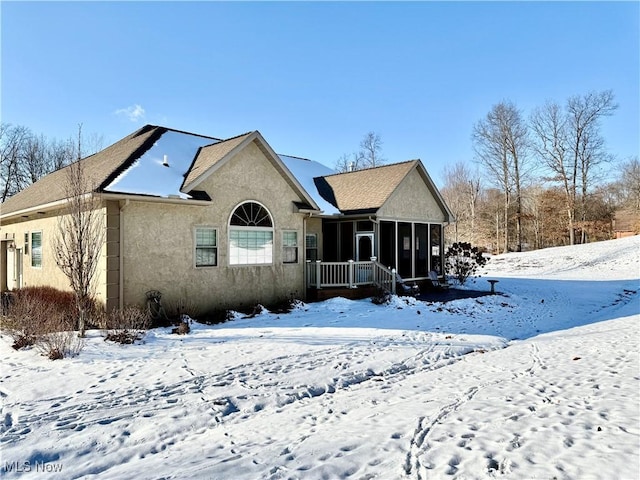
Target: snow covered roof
<point>305,172</point>
<point>161,170</point>
<point>162,162</point>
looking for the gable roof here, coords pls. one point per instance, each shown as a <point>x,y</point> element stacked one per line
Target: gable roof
<point>363,190</point>
<point>367,190</point>
<point>208,156</point>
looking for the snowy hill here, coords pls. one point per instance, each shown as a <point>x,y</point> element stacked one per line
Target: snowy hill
<point>540,381</point>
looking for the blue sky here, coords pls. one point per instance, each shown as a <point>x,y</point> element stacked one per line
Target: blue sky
<point>315,77</point>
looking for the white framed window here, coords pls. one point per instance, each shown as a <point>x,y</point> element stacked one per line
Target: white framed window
<point>206,247</point>
<point>36,249</point>
<point>311,240</point>
<point>289,247</point>
<point>250,235</point>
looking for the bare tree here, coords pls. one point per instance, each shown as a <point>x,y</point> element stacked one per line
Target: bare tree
<point>350,163</point>
<point>35,161</point>
<point>500,143</point>
<point>79,240</point>
<point>61,153</point>
<point>587,144</point>
<point>461,191</point>
<point>569,143</point>
<point>629,184</point>
<point>371,150</point>
<point>369,155</point>
<point>25,157</point>
<point>13,140</point>
<point>549,126</point>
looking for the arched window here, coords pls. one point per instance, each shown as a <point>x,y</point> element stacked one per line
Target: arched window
<point>250,235</point>
<point>251,214</point>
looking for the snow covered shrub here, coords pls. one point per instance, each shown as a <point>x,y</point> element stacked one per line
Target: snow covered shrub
<point>462,261</point>
<point>183,328</point>
<point>32,312</point>
<point>43,317</point>
<point>127,325</point>
<point>382,297</point>
<point>57,345</point>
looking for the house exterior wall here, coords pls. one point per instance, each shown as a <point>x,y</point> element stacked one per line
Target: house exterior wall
<point>49,274</point>
<point>412,201</point>
<point>159,246</point>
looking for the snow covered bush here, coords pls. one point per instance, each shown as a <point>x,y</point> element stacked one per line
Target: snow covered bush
<point>35,311</point>
<point>462,261</point>
<point>183,327</point>
<point>127,325</point>
<point>42,317</point>
<point>56,345</point>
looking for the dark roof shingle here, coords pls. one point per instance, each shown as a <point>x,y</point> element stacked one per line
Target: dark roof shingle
<point>99,169</point>
<point>363,190</point>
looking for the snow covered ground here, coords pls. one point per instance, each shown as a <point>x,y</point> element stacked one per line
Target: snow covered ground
<point>540,381</point>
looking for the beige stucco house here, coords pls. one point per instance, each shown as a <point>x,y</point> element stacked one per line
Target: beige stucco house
<point>226,223</point>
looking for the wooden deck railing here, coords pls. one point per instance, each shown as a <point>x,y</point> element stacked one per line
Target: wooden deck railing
<point>350,274</point>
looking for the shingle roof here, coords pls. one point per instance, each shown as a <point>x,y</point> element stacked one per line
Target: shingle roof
<point>209,155</point>
<point>99,169</point>
<point>365,189</point>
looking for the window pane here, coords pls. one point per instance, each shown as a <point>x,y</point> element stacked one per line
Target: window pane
<point>206,251</point>
<point>290,239</point>
<point>312,240</point>
<point>206,257</point>
<point>251,214</point>
<point>206,237</point>
<point>36,249</point>
<point>247,247</point>
<point>290,247</point>
<point>290,255</point>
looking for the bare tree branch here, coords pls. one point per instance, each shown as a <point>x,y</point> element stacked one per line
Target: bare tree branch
<point>79,240</point>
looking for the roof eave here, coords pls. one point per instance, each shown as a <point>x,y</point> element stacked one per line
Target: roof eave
<point>153,198</point>
<point>45,207</point>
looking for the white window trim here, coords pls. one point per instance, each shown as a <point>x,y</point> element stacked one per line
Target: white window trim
<point>195,246</point>
<point>31,249</point>
<point>250,229</point>
<point>297,247</point>
<point>231,228</point>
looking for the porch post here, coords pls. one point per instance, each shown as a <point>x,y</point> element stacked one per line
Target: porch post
<point>374,271</point>
<point>318,274</point>
<point>351,266</point>
<point>393,281</point>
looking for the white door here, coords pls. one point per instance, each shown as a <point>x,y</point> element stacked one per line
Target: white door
<point>364,247</point>
<point>11,268</point>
